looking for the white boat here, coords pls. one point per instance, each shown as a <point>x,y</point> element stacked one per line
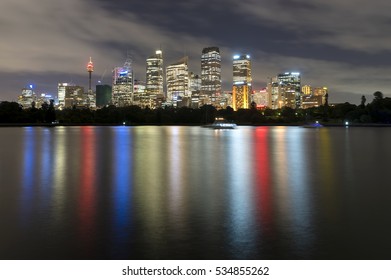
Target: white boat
<point>221,123</point>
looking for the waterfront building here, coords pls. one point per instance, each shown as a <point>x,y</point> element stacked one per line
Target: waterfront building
<point>242,88</point>
<point>195,90</point>
<point>211,73</point>
<point>103,95</point>
<point>140,98</point>
<point>27,97</point>
<point>122,91</point>
<point>154,79</point>
<point>261,98</point>
<point>316,98</point>
<point>284,90</point>
<point>177,80</point>
<point>74,97</point>
<point>291,85</point>
<point>274,90</point>
<point>70,95</point>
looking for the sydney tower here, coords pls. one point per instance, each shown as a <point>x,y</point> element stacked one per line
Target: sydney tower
<point>90,69</point>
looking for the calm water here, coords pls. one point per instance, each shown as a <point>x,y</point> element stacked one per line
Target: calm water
<point>195,193</point>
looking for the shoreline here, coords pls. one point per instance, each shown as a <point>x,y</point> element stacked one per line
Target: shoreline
<point>171,124</point>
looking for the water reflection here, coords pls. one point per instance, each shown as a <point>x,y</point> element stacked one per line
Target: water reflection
<point>241,229</point>
<point>189,192</point>
<point>60,175</point>
<point>262,180</point>
<point>87,197</point>
<point>29,173</point>
<point>122,170</point>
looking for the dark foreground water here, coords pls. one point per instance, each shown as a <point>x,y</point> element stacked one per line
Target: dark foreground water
<point>195,193</point>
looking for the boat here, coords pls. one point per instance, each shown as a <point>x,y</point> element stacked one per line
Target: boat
<point>313,125</point>
<point>221,123</point>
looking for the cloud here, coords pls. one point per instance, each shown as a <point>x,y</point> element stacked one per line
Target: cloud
<point>352,25</point>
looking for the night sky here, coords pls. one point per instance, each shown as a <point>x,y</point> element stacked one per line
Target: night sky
<point>344,45</point>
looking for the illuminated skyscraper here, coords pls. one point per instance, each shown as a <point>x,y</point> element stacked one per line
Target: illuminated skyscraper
<point>290,82</point>
<point>122,94</point>
<point>154,84</point>
<point>70,95</point>
<point>177,79</point>
<point>241,91</point>
<point>211,72</point>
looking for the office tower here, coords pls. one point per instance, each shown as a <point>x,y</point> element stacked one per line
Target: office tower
<point>211,72</point>
<point>261,98</point>
<point>70,95</point>
<point>154,81</point>
<point>27,98</point>
<point>195,83</point>
<point>241,91</point>
<point>290,83</point>
<point>122,92</point>
<point>103,95</point>
<point>140,97</point>
<point>177,80</point>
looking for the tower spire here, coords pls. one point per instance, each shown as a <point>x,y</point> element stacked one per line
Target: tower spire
<point>90,69</point>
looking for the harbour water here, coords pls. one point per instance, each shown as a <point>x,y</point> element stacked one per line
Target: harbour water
<point>172,192</point>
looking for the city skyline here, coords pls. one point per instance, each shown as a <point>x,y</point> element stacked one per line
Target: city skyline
<point>346,53</point>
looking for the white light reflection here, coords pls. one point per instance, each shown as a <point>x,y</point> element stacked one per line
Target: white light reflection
<point>241,210</point>
<point>60,178</point>
<point>299,189</point>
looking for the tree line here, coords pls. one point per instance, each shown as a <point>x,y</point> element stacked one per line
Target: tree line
<point>377,111</point>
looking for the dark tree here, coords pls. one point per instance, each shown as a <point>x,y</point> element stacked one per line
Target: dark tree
<point>378,95</point>
<point>363,101</point>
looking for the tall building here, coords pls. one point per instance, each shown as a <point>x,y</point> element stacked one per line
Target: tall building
<point>90,97</point>
<point>177,80</point>
<point>90,69</point>
<point>261,98</point>
<point>70,95</point>
<point>211,72</point>
<point>27,98</point>
<point>154,81</point>
<point>122,92</point>
<point>103,95</point>
<point>195,90</point>
<point>241,91</point>
<point>291,85</point>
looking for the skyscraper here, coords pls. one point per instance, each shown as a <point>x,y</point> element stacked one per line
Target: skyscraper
<point>154,81</point>
<point>177,80</point>
<point>241,91</point>
<point>103,95</point>
<point>291,85</point>
<point>211,72</point>
<point>122,94</point>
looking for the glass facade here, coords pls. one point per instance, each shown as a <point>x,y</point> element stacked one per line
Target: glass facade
<point>122,94</point>
<point>241,91</point>
<point>211,71</point>
<point>177,79</point>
